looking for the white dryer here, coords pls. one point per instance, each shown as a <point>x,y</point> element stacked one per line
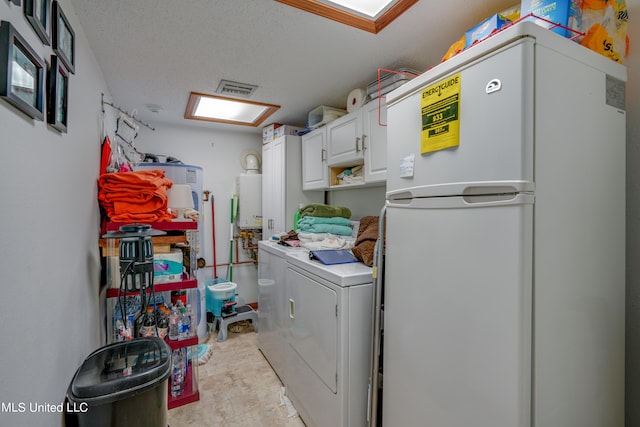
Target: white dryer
<point>328,333</point>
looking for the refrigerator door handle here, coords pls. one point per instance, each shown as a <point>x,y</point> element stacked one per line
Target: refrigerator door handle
<point>461,189</point>
<point>461,201</point>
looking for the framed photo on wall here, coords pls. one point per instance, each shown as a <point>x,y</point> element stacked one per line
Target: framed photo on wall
<point>37,13</point>
<point>21,73</point>
<point>57,95</point>
<point>63,38</point>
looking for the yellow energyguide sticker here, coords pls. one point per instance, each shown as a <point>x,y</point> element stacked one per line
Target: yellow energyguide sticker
<point>440,105</point>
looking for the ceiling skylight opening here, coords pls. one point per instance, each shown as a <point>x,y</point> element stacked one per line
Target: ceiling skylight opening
<point>214,108</point>
<point>367,15</point>
<point>368,8</point>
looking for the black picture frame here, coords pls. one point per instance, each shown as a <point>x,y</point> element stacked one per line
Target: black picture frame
<point>63,38</point>
<point>21,73</point>
<point>57,95</point>
<point>37,13</point>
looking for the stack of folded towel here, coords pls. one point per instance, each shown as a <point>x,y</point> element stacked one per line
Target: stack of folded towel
<point>324,226</point>
<point>135,196</point>
<point>335,225</point>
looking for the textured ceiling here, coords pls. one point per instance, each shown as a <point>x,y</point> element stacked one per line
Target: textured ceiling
<point>158,51</point>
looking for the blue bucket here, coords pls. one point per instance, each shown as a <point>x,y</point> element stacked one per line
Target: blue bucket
<point>219,292</point>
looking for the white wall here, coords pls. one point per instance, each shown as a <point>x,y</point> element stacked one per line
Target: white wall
<point>218,152</point>
<point>49,230</point>
<point>362,202</point>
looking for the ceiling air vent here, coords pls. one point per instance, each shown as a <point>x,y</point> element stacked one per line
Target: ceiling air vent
<point>230,88</point>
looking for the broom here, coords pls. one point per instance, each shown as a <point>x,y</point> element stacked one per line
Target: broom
<point>234,212</point>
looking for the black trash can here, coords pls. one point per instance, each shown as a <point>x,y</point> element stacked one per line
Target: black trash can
<point>121,385</point>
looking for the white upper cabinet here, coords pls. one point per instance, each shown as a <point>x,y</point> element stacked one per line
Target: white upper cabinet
<point>314,160</point>
<point>374,141</point>
<point>344,140</point>
<point>356,139</point>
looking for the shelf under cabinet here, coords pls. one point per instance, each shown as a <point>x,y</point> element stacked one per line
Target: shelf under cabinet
<point>164,226</point>
<point>158,287</point>
<point>176,344</point>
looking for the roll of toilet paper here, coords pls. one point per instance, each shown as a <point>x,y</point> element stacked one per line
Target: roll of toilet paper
<point>356,99</point>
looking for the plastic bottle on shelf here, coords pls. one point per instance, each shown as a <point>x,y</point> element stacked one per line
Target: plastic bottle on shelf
<point>174,320</point>
<point>148,326</point>
<point>162,322</point>
<point>178,372</point>
<point>183,324</point>
<point>192,321</point>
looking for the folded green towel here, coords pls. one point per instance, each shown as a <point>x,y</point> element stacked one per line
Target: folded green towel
<point>335,220</point>
<point>317,209</point>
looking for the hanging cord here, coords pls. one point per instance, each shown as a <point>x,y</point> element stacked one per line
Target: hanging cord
<point>122,298</point>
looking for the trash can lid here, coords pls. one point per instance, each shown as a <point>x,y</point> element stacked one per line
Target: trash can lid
<point>122,369</point>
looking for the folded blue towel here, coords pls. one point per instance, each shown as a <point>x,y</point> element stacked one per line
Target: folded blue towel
<point>339,230</point>
<point>312,220</point>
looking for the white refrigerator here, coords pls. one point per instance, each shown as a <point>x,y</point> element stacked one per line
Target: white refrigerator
<point>504,268</point>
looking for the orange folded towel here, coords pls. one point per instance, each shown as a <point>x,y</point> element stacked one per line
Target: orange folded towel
<point>135,196</point>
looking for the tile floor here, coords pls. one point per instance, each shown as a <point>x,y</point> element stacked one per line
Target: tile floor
<point>238,388</point>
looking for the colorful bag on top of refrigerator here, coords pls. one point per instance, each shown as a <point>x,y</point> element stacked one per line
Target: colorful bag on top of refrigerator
<point>605,25</point>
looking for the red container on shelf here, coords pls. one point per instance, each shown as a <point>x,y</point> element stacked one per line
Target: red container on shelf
<point>179,295</point>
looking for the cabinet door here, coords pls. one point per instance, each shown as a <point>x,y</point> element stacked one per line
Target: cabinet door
<point>374,141</point>
<point>278,185</point>
<point>344,140</point>
<point>273,181</point>
<point>267,191</point>
<point>314,162</point>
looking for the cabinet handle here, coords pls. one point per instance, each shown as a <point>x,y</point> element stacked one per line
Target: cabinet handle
<point>324,155</point>
<point>292,308</point>
<point>357,144</point>
<point>364,145</point>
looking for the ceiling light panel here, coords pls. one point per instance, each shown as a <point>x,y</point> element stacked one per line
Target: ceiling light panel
<point>221,109</point>
<point>226,109</point>
<point>370,8</point>
<point>367,15</point>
